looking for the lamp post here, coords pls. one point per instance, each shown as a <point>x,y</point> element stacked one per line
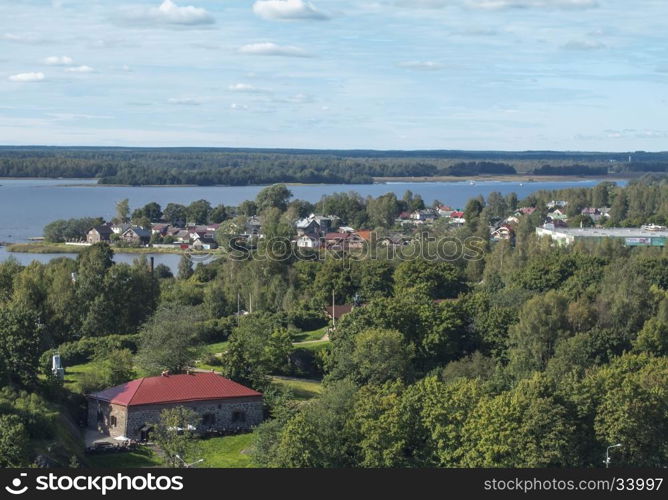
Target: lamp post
<point>607,453</point>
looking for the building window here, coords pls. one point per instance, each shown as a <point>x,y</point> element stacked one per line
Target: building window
<point>208,419</point>
<point>112,421</point>
<point>238,416</point>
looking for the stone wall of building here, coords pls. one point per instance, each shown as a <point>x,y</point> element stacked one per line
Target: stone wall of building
<point>223,415</point>
<point>107,418</point>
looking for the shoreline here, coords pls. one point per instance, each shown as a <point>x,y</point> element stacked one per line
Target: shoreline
<point>502,178</point>
<point>56,248</point>
<point>524,178</point>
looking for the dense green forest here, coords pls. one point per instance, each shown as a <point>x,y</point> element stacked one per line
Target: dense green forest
<point>204,166</point>
<point>508,354</point>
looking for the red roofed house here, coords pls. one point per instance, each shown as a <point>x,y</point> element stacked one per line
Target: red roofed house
<point>132,408</point>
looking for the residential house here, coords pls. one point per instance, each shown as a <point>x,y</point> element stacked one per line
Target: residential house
<point>503,232</point>
<point>308,241</point>
<point>99,234</point>
<point>136,235</point>
<point>131,410</point>
<point>557,204</point>
<point>457,218</point>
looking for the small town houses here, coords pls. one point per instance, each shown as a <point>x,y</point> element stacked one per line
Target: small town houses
<point>199,237</point>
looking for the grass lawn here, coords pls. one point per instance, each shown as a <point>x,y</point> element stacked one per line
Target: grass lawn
<point>216,347</point>
<point>74,373</point>
<point>314,346</point>
<point>302,389</point>
<point>312,335</point>
<point>225,452</point>
<point>143,457</point>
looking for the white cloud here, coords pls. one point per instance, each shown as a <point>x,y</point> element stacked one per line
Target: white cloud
<point>184,101</point>
<point>81,69</point>
<point>237,106</point>
<point>168,13</point>
<point>58,61</point>
<point>245,87</point>
<point>288,10</point>
<point>421,65</point>
<point>583,45</point>
<point>27,77</point>
<point>272,49</point>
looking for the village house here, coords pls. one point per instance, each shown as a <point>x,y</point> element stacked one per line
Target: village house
<point>131,410</point>
<point>457,218</point>
<point>444,211</point>
<point>315,225</point>
<point>503,232</point>
<point>308,241</point>
<point>136,235</point>
<point>99,234</point>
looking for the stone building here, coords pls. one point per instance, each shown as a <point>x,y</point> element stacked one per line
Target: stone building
<point>132,409</point>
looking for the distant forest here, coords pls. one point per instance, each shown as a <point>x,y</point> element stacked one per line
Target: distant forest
<point>239,167</point>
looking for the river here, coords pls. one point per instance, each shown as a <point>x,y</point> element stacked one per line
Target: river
<point>27,205</point>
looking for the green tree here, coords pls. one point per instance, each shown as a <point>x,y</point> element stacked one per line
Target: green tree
<point>14,441</point>
<point>117,367</point>
<point>122,211</point>
<point>381,355</point>
<point>169,340</point>
<point>20,332</point>
<point>185,269</point>
<point>175,214</point>
<point>525,427</point>
<point>257,347</point>
<point>174,434</point>
<point>437,280</point>
<point>198,212</point>
<point>543,322</point>
<point>275,196</point>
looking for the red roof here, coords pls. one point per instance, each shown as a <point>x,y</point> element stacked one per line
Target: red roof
<point>174,389</point>
<point>456,215</point>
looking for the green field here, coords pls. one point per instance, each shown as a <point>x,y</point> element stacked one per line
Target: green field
<point>309,336</point>
<point>216,347</point>
<point>143,457</point>
<point>225,452</point>
<point>302,388</point>
<point>218,452</point>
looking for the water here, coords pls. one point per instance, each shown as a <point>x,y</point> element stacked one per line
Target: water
<point>170,260</point>
<point>27,205</point>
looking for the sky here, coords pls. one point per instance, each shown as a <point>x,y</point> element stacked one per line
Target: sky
<point>586,75</point>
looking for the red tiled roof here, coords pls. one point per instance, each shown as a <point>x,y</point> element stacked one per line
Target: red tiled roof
<point>456,214</point>
<point>174,389</point>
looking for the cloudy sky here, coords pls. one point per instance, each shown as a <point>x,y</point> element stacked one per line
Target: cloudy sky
<point>384,74</point>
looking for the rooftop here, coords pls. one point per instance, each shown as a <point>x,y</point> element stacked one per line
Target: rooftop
<point>174,389</point>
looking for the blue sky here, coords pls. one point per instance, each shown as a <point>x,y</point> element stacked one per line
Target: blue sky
<point>383,74</point>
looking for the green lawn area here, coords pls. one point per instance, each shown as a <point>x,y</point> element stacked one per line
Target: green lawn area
<point>225,452</point>
<point>216,347</point>
<point>312,335</point>
<point>143,457</point>
<point>219,452</point>
<point>315,346</point>
<point>73,375</point>
<point>302,389</point>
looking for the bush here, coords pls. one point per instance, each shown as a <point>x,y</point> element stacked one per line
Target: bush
<point>84,350</point>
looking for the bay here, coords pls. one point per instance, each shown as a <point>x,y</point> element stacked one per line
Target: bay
<point>27,205</point>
